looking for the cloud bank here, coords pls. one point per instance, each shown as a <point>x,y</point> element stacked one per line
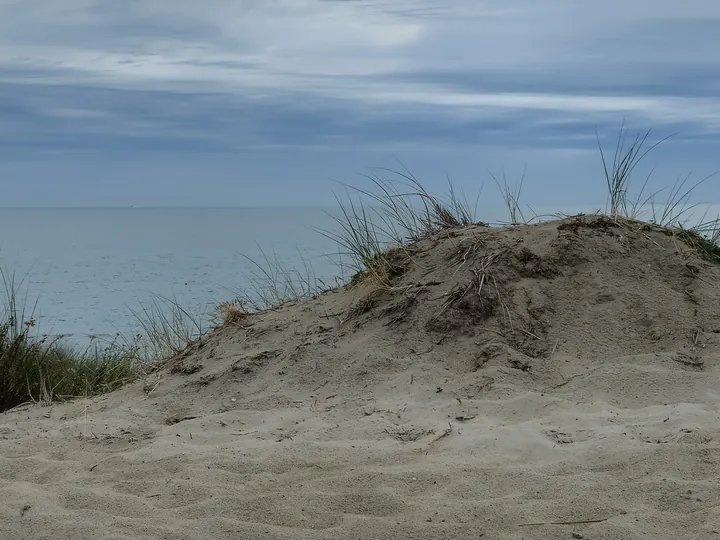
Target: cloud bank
<point>356,78</point>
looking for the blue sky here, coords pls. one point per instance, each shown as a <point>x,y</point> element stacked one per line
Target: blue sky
<point>257,102</point>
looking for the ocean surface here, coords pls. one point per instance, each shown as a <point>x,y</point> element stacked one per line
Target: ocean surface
<point>88,269</point>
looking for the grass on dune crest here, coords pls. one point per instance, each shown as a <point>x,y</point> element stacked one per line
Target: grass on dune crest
<point>396,210</point>
<point>271,284</point>
<point>374,225</point>
<point>674,213</point>
<point>166,327</point>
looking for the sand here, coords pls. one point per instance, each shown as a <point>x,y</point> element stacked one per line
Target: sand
<point>551,381</point>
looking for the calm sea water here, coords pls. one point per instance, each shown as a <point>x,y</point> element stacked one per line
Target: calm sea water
<point>87,268</point>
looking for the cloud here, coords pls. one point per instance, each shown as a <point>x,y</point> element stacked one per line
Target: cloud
<point>220,76</point>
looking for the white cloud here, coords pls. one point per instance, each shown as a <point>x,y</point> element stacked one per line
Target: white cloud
<point>355,50</point>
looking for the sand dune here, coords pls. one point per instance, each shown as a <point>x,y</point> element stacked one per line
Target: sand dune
<point>559,380</point>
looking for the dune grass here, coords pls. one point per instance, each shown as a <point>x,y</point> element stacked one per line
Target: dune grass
<point>37,368</point>
<point>406,211</point>
<point>397,209</point>
<point>511,196</point>
<point>703,238</point>
<point>271,285</point>
<point>674,213</point>
<point>394,212</point>
<point>618,176</point>
<point>166,327</point>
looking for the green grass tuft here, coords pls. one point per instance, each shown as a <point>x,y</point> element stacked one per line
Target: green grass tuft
<point>705,239</point>
<point>45,369</point>
<point>395,210</point>
<point>166,328</point>
<point>375,227</point>
<point>618,174</point>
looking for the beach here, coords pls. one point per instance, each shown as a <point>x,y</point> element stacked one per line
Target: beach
<point>556,380</point>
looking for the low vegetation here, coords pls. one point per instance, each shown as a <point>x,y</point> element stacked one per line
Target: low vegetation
<point>704,238</point>
<point>36,368</point>
<point>374,226</point>
<point>396,210</point>
<point>166,328</point>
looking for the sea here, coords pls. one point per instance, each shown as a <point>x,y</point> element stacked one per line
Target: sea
<point>88,272</point>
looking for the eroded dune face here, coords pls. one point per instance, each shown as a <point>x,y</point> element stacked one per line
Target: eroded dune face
<point>537,382</point>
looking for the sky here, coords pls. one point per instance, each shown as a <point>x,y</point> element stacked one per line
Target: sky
<point>280,102</point>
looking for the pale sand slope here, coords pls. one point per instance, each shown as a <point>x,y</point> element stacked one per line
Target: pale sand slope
<point>424,421</point>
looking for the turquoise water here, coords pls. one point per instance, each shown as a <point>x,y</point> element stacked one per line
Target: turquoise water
<point>88,267</point>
